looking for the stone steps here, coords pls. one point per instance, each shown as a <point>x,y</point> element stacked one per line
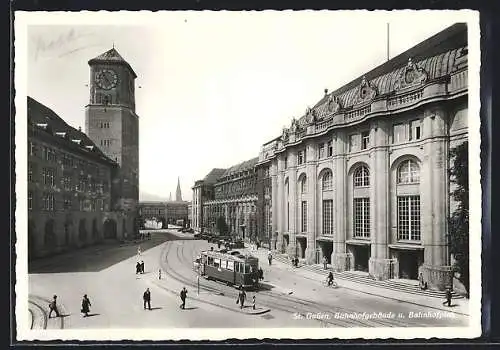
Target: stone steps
<point>388,284</point>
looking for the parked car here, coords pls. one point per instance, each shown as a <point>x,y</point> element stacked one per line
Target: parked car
<point>238,244</point>
<point>190,230</point>
<point>198,236</point>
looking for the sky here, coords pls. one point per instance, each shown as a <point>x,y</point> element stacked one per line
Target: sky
<point>213,87</point>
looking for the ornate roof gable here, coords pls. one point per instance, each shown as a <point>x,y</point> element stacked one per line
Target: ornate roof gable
<point>365,92</point>
<point>411,76</point>
<point>333,104</point>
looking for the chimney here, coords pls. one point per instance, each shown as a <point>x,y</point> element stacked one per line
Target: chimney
<point>326,92</point>
<point>79,128</point>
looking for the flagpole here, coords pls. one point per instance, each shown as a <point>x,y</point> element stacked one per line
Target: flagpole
<point>387,41</point>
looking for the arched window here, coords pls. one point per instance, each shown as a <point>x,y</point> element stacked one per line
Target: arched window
<point>408,172</point>
<point>361,176</point>
<point>327,181</point>
<point>303,185</point>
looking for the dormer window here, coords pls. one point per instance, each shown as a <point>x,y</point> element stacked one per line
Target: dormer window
<point>42,125</point>
<point>77,141</point>
<point>61,134</point>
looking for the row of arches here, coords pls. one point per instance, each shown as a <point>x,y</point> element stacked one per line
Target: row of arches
<point>48,240</point>
<point>408,172</point>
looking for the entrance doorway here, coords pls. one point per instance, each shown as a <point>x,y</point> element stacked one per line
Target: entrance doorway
<point>326,248</point>
<point>409,261</point>
<point>361,257</point>
<point>286,242</point>
<point>109,229</point>
<point>301,247</point>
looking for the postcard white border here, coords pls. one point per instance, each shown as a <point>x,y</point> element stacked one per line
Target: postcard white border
<point>24,19</point>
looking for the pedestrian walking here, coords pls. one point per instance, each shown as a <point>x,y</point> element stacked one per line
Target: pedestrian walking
<point>218,244</point>
<point>269,257</point>
<point>242,296</point>
<point>325,262</point>
<point>159,274</point>
<point>253,302</point>
<point>183,297</point>
<point>53,307</point>
<point>142,266</point>
<point>447,302</point>
<point>261,273</point>
<point>86,306</point>
<point>146,297</point>
<point>258,245</point>
<point>137,268</point>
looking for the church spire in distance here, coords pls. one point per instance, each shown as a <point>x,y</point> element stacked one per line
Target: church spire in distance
<point>178,195</point>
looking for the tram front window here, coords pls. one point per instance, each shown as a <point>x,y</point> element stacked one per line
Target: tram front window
<point>247,268</point>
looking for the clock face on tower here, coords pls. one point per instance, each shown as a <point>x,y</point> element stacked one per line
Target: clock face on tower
<point>106,79</point>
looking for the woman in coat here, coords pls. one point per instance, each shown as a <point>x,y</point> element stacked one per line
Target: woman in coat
<point>86,306</point>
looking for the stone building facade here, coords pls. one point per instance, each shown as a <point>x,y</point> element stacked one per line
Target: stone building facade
<point>167,212</point>
<point>264,204</point>
<point>203,190</point>
<point>363,176</point>
<point>71,192</point>
<point>235,200</point>
<point>113,125</point>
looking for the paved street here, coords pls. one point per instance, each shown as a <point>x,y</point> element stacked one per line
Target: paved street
<point>293,299</point>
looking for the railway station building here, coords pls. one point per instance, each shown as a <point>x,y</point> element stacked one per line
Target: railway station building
<point>362,178</point>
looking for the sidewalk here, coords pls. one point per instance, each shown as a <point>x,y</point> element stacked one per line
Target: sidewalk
<point>460,306</point>
<point>207,297</point>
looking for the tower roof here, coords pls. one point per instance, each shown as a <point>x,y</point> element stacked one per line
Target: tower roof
<point>112,56</point>
<point>178,195</point>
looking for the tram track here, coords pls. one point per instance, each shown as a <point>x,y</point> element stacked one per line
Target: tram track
<point>36,301</point>
<point>279,302</point>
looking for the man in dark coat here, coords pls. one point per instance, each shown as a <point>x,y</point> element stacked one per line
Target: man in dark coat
<point>86,306</point>
<point>242,296</point>
<point>142,266</point>
<point>137,268</point>
<point>448,297</point>
<point>53,307</point>
<point>183,297</point>
<point>147,299</point>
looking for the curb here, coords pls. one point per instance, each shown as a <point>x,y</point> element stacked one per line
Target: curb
<point>257,312</point>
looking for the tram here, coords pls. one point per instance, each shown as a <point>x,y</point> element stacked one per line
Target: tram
<point>236,270</point>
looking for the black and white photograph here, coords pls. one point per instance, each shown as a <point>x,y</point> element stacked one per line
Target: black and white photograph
<point>204,175</point>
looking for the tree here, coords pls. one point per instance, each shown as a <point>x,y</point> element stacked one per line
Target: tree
<point>459,219</point>
<point>221,225</point>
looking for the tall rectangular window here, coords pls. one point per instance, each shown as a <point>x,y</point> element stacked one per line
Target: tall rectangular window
<point>409,218</point>
<point>328,217</point>
<point>30,200</point>
<point>286,162</point>
<point>365,140</point>
<point>30,173</point>
<point>321,151</point>
<point>399,133</point>
<point>330,148</point>
<point>362,217</point>
<point>67,202</point>
<point>304,217</point>
<point>300,157</point>
<point>416,130</point>
<point>288,216</point>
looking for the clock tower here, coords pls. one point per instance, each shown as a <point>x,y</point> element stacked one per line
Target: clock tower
<point>112,124</point>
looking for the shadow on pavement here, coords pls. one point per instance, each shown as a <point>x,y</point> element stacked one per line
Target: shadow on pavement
<point>91,315</point>
<point>96,257</point>
<point>190,308</point>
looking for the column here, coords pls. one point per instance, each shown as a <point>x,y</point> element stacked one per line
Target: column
<point>379,263</point>
<point>312,191</point>
<point>292,180</point>
<point>341,260</point>
<point>434,201</point>
<point>275,210</point>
